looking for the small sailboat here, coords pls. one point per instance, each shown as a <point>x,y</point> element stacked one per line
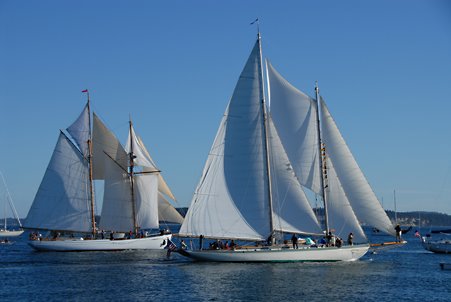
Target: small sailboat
<point>439,246</point>
<point>8,203</point>
<point>252,186</point>
<point>133,193</point>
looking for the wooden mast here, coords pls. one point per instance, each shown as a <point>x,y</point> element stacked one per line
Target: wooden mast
<point>91,187</point>
<point>131,175</point>
<point>322,164</point>
<point>265,129</point>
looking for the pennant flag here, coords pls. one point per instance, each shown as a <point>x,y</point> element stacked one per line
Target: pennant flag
<point>86,90</point>
<point>256,20</point>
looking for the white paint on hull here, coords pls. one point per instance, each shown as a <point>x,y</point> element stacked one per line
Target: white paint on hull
<point>278,254</point>
<point>6,233</point>
<point>80,245</point>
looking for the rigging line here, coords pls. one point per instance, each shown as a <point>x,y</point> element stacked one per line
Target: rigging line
<point>118,164</point>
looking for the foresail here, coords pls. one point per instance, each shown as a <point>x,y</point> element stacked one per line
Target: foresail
<point>62,201</point>
<point>359,193</point>
<point>294,115</point>
<point>292,211</point>
<point>117,208</point>
<point>79,131</point>
<point>342,219</point>
<point>166,212</point>
<point>105,145</point>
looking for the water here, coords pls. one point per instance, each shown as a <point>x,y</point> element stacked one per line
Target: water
<point>405,273</point>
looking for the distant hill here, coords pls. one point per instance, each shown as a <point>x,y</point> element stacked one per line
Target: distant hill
<point>404,218</point>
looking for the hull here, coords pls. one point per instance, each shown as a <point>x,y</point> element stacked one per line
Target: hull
<point>278,254</point>
<point>80,245</point>
<point>441,246</point>
<point>6,233</point>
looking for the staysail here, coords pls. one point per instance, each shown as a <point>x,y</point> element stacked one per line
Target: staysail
<point>291,209</point>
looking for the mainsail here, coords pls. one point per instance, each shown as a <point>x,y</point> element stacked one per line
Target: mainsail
<point>351,200</point>
<point>122,209</point>
<point>359,193</point>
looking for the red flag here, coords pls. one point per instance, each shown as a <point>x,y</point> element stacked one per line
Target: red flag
<point>86,90</point>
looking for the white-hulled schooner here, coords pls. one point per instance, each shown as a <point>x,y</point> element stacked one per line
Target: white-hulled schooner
<point>252,186</point>
<point>133,199</point>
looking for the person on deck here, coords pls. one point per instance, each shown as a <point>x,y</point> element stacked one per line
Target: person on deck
<point>350,238</point>
<point>294,241</point>
<point>398,233</point>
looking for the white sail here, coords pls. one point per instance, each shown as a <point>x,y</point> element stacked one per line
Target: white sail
<point>166,212</point>
<point>359,193</point>
<point>146,198</point>
<point>342,219</point>
<point>212,212</point>
<point>79,131</point>
<point>65,190</point>
<point>141,155</point>
<point>105,145</point>
<point>144,159</point>
<point>294,115</point>
<point>289,200</point>
<point>117,208</point>
<point>6,196</point>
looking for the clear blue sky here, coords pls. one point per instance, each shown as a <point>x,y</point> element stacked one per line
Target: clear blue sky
<point>384,68</point>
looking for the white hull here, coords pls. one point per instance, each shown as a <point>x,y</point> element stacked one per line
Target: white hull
<point>278,254</point>
<point>79,245</point>
<point>440,246</point>
<point>6,233</point>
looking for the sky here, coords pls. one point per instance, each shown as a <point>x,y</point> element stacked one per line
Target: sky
<point>383,67</point>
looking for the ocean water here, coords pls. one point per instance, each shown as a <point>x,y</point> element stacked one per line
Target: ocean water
<point>407,273</point>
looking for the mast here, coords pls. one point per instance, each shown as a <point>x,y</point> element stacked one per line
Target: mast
<point>131,175</point>
<point>265,129</point>
<point>91,187</point>
<point>394,201</point>
<point>322,164</point>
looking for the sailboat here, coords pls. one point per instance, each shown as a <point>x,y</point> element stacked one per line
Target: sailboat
<point>252,189</point>
<point>133,193</point>
<point>7,201</point>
